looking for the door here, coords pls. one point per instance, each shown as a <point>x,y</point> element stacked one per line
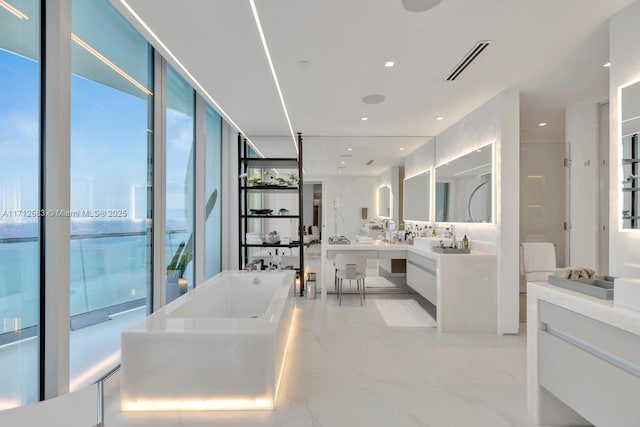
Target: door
<point>543,195</point>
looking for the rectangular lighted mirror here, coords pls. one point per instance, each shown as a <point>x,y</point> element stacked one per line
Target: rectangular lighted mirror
<point>384,202</point>
<point>464,188</point>
<point>630,167</point>
<point>416,197</point>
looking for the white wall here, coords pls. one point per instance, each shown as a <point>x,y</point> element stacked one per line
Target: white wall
<point>352,193</point>
<point>420,160</point>
<point>307,208</point>
<point>624,54</point>
<point>497,121</point>
<point>230,213</point>
<point>581,126</point>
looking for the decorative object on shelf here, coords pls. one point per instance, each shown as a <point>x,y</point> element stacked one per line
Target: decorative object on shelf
<point>630,179</point>
<point>274,237</point>
<point>261,211</point>
<point>626,214</point>
<point>270,180</point>
<point>283,211</point>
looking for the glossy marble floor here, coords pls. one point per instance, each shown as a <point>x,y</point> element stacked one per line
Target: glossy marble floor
<point>347,368</point>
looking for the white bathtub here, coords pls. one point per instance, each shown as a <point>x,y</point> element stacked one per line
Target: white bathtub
<point>221,346</point>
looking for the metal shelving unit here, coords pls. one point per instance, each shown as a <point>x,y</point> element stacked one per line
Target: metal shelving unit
<point>245,165</point>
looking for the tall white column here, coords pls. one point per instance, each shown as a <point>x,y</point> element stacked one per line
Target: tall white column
<point>56,195</point>
<point>159,187</point>
<point>199,187</point>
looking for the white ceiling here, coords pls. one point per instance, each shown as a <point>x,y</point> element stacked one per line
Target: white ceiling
<point>552,50</point>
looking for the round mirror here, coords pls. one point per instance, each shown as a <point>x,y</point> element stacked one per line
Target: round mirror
<point>389,224</point>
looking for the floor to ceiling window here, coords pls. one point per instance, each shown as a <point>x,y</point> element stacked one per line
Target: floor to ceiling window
<point>213,178</point>
<point>19,201</point>
<point>111,151</point>
<point>180,178</point>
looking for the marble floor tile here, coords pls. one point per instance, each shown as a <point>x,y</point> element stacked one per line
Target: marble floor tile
<point>347,368</point>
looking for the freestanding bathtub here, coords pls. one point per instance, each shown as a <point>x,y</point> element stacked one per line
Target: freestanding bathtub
<point>221,346</point>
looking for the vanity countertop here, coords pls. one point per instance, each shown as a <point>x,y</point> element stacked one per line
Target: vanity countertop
<point>604,311</point>
<point>422,250</point>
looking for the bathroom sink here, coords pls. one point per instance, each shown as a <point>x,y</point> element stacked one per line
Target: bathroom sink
<point>599,287</point>
<point>440,250</point>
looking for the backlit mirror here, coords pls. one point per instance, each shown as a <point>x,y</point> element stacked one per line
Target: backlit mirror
<point>630,133</point>
<point>464,188</point>
<point>384,202</point>
<point>416,197</point>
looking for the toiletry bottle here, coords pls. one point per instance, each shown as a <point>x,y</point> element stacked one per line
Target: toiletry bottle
<point>465,242</point>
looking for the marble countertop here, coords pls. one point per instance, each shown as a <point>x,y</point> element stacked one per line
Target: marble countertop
<point>379,245</point>
<point>598,309</point>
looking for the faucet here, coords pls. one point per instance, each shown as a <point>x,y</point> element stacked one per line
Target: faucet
<point>253,264</point>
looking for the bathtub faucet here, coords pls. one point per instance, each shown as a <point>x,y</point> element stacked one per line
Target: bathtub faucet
<point>253,265</point>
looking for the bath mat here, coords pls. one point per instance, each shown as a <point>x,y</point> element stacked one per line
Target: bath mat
<point>406,313</point>
<point>378,282</point>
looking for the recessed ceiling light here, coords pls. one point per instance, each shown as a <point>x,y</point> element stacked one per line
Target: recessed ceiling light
<point>342,162</point>
<point>339,171</point>
<point>608,64</point>
<point>373,99</point>
<point>389,64</point>
<point>364,119</point>
<point>542,124</point>
<point>439,118</point>
<point>349,149</point>
<point>478,151</point>
<point>401,148</point>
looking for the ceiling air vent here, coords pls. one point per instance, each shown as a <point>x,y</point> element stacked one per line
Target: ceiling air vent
<point>369,162</point>
<point>469,58</point>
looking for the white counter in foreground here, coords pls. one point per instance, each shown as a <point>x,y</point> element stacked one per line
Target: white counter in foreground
<point>583,359</point>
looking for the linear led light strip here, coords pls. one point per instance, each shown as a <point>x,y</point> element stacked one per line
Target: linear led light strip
<point>110,64</point>
<point>186,72</point>
<point>13,10</point>
<point>273,70</point>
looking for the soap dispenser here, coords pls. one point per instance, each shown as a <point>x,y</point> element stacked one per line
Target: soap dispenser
<point>465,242</point>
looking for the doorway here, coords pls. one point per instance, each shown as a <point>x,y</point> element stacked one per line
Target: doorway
<point>543,201</point>
<point>313,215</point>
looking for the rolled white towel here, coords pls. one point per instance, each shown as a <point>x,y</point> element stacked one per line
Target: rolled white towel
<point>580,273</point>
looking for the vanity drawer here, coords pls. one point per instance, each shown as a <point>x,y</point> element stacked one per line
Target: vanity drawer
<point>429,263</point>
<point>620,344</point>
<point>603,393</point>
<point>401,254</point>
<point>423,280</point>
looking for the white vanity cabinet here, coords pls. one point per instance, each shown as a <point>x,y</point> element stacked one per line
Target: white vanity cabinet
<point>461,286</point>
<point>583,359</point>
<point>422,276</point>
